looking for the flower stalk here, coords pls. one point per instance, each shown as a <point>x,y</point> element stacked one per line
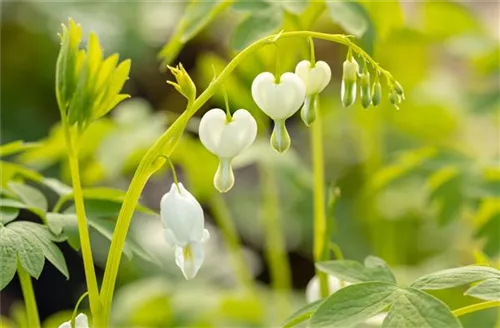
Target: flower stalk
<point>29,297</point>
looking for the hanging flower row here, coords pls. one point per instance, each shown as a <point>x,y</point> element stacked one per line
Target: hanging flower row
<point>227,135</point>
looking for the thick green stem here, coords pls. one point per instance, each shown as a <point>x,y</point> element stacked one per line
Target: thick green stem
<point>29,297</point>
<point>166,144</point>
<point>476,307</point>
<point>275,247</point>
<point>319,197</point>
<point>88,262</point>
<point>222,217</point>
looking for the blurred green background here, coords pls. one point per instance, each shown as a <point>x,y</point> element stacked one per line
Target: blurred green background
<point>420,187</point>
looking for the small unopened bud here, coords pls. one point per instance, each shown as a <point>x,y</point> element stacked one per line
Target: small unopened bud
<point>364,86</point>
<point>376,93</point>
<point>395,99</point>
<point>280,139</point>
<point>184,83</point>
<point>349,77</point>
<point>399,89</point>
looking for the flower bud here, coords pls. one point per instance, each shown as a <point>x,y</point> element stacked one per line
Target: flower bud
<point>280,139</point>
<point>183,221</point>
<point>395,98</point>
<point>399,89</point>
<point>376,93</point>
<point>315,77</point>
<point>81,321</point>
<point>226,139</point>
<point>349,77</point>
<point>184,83</point>
<point>364,86</point>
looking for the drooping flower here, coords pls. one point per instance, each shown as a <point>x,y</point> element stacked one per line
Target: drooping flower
<point>81,321</point>
<point>365,88</point>
<point>279,99</point>
<point>334,284</point>
<point>349,77</point>
<point>184,224</point>
<point>226,137</point>
<point>376,92</point>
<point>315,77</point>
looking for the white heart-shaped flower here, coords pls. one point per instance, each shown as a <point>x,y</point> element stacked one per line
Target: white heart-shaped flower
<point>278,100</point>
<point>227,139</point>
<point>182,218</point>
<point>81,321</point>
<point>316,77</point>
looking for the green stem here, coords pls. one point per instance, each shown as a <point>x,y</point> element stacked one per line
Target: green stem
<point>475,307</point>
<point>29,297</point>
<point>166,144</point>
<point>320,243</point>
<point>88,261</point>
<point>275,247</point>
<point>222,217</point>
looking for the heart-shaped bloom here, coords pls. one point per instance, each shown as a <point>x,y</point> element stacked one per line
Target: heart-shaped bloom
<point>226,137</point>
<point>182,218</point>
<point>81,321</point>
<point>349,77</point>
<point>279,100</point>
<point>315,77</point>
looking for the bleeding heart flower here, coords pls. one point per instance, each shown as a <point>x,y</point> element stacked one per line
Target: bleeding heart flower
<point>279,99</point>
<point>81,321</point>
<point>226,137</point>
<point>182,218</point>
<point>315,77</point>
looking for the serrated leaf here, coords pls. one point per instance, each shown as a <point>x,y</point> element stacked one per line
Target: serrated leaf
<point>348,16</point>
<point>16,147</point>
<point>8,214</point>
<point>8,259</point>
<point>302,314</point>
<point>255,26</point>
<point>354,304</point>
<point>30,255</point>
<point>455,277</point>
<point>374,269</point>
<point>488,290</point>
<point>32,197</point>
<point>414,308</point>
<point>64,225</point>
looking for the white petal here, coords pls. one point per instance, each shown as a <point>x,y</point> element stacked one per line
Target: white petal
<point>315,78</point>
<point>206,236</point>
<point>212,126</point>
<point>189,259</point>
<point>377,320</point>
<point>182,214</point>
<point>170,238</point>
<point>278,101</point>
<point>81,321</point>
<point>313,292</point>
<point>66,324</point>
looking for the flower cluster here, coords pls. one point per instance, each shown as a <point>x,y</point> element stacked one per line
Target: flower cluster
<point>227,136</point>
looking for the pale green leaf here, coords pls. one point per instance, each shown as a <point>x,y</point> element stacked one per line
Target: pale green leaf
<point>198,15</point>
<point>10,171</point>
<point>254,6</point>
<point>374,269</point>
<point>254,27</point>
<point>414,308</point>
<point>32,197</point>
<point>354,304</point>
<point>57,186</point>
<point>349,16</point>
<point>455,277</point>
<point>30,255</point>
<point>64,225</point>
<point>488,290</point>
<point>8,258</point>
<point>302,314</point>
<point>8,214</point>
<point>295,7</point>
<point>16,147</point>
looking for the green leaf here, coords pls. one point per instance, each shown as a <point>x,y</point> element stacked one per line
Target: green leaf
<point>455,277</point>
<point>414,308</point>
<point>198,15</point>
<point>8,214</point>
<point>11,170</point>
<point>354,304</point>
<point>255,26</point>
<point>32,197</point>
<point>253,6</point>
<point>16,147</point>
<point>57,186</point>
<point>294,7</point>
<point>488,290</point>
<point>386,15</point>
<point>349,16</point>
<point>65,225</point>
<point>302,314</point>
<point>42,237</point>
<point>374,269</point>
<point>8,258</point>
<point>30,255</point>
